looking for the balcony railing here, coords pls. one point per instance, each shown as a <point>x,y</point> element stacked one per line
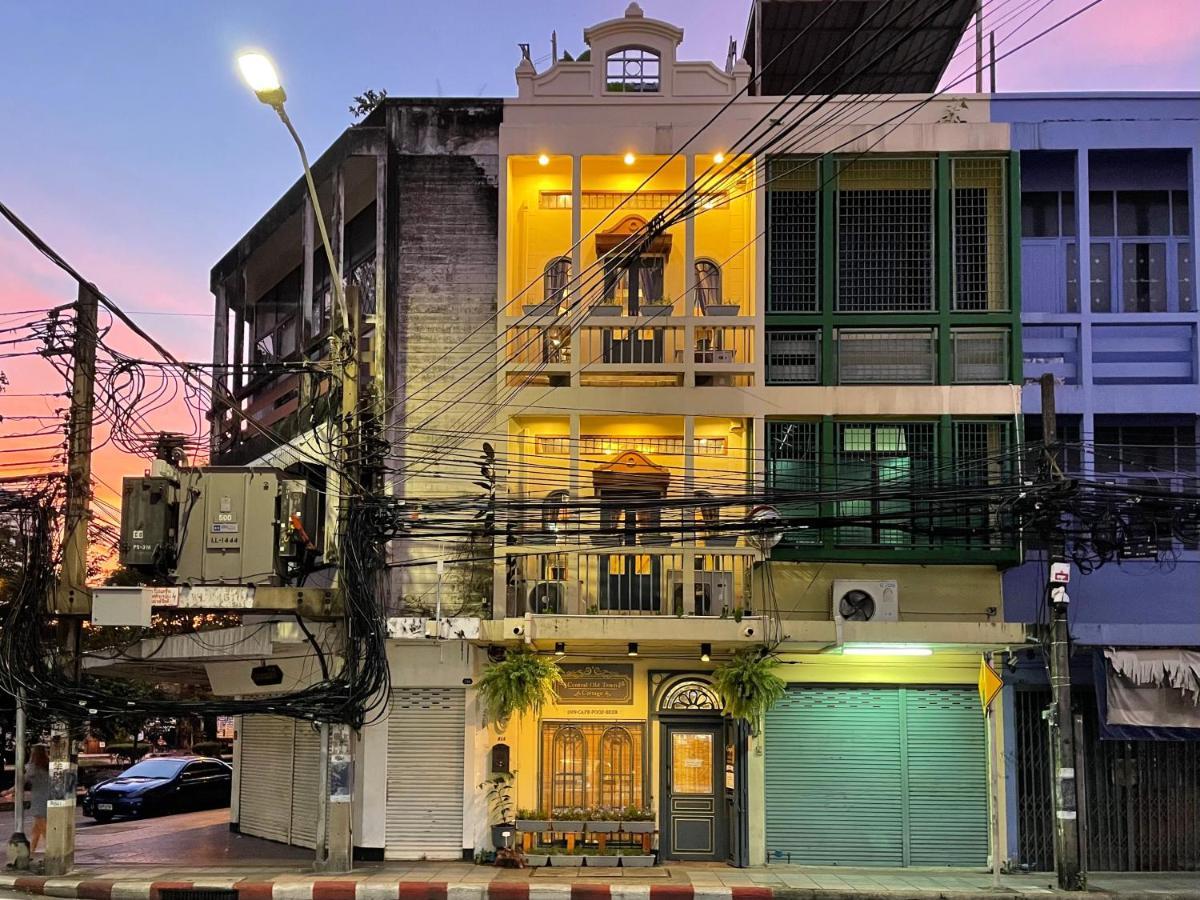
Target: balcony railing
<point>1139,353</point>
<point>632,581</point>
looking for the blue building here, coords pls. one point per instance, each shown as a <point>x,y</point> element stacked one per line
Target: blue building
<point>1117,324</point>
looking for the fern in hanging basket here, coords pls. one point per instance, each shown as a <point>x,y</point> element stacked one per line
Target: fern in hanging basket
<point>521,682</point>
<point>749,686</point>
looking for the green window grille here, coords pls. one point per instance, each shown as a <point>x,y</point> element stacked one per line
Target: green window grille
<point>793,470</point>
<point>890,465</point>
<point>980,355</point>
<point>885,233</point>
<point>794,357</point>
<point>983,459</point>
<point>792,283</point>
<point>980,233</point>
<point>872,356</point>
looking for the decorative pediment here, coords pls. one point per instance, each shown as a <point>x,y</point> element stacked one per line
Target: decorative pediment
<point>607,241</point>
<point>631,471</point>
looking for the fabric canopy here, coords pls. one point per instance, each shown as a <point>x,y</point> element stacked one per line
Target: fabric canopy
<point>1153,688</point>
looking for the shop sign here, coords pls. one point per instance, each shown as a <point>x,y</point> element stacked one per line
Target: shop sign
<point>590,683</point>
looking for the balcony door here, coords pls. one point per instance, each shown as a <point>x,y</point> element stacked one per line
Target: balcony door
<point>630,489</point>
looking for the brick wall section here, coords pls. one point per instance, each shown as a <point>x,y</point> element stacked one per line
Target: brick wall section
<point>442,217</point>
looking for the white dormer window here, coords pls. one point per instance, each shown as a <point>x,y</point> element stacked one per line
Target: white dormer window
<point>632,70</point>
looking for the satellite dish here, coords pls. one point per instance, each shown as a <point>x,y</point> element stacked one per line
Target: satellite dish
<point>767,530</point>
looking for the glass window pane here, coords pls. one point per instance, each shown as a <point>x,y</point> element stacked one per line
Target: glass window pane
<point>1144,277</point>
<point>1181,221</point>
<point>691,762</point>
<point>1142,213</point>
<point>1101,279</point>
<point>1101,213</point>
<point>1068,213</point>
<point>1039,214</point>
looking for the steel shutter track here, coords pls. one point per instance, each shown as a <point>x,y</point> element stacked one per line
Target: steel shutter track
<point>833,771</point>
<point>877,776</point>
<point>425,774</point>
<point>266,777</point>
<point>306,773</point>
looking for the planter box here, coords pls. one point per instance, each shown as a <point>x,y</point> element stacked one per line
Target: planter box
<point>570,826</point>
<point>566,861</point>
<point>596,862</point>
<point>656,309</point>
<point>604,311</point>
<point>534,860</point>
<point>636,862</point>
<point>540,309</point>
<point>604,827</point>
<point>533,826</point>
<point>722,309</point>
<point>642,827</point>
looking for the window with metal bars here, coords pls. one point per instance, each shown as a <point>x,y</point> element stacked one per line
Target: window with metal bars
<point>980,231</point>
<point>587,765</point>
<point>794,357</point>
<point>793,470</point>
<point>982,460</point>
<point>885,213</point>
<point>980,355</point>
<point>1146,449</point>
<point>891,465</point>
<point>887,357</point>
<point>792,214</point>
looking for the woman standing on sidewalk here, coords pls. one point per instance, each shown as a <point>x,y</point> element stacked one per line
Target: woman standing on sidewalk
<point>37,774</point>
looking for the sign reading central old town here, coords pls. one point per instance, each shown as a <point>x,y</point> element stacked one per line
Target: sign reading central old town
<point>596,684</point>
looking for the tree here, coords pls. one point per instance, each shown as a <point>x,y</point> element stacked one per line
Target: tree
<point>365,103</point>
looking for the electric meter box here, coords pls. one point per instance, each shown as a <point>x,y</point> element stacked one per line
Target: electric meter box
<point>229,525</point>
<point>149,520</point>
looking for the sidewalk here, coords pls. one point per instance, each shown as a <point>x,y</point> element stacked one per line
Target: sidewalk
<point>464,881</point>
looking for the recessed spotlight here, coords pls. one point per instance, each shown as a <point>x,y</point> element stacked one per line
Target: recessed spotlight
<point>560,649</point>
<point>705,652</point>
<point>630,159</point>
<point>543,159</point>
<point>718,158</point>
<point>633,648</point>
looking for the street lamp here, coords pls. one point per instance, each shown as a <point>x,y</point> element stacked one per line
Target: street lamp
<point>260,75</point>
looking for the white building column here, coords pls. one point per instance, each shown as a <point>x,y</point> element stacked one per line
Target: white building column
<point>573,536</point>
<point>689,281</point>
<point>576,294</point>
<point>1083,232</point>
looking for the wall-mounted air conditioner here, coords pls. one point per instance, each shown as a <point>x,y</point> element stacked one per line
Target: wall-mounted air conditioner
<point>713,592</point>
<point>865,601</point>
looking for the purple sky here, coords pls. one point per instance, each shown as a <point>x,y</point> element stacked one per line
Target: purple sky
<point>129,142</point>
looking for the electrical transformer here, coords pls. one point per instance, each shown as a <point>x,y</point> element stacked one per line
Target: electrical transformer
<point>149,521</point>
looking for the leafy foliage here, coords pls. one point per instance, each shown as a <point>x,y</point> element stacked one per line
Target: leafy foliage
<point>749,686</point>
<point>365,103</point>
<point>521,682</point>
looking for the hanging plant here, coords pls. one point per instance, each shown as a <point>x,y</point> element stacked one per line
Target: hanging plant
<point>521,682</point>
<point>749,686</point>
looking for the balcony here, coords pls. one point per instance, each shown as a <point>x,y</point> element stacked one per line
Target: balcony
<point>1142,353</point>
<point>629,581</point>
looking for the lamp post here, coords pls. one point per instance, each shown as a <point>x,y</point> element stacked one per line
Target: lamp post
<point>334,847</point>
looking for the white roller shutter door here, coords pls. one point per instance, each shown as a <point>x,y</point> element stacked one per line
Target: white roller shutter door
<point>425,774</point>
<point>306,774</point>
<point>265,780</point>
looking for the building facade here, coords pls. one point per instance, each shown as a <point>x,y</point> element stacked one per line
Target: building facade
<point>1121,342</point>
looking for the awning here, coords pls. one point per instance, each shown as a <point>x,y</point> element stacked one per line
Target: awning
<point>1152,688</point>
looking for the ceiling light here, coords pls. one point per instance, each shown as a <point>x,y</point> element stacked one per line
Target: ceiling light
<point>705,652</point>
<point>630,159</point>
<point>633,648</point>
<point>543,160</point>
<point>718,158</point>
<point>884,650</point>
<point>560,649</point>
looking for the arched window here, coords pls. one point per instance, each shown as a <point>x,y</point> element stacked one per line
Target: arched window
<point>708,283</point>
<point>553,508</point>
<point>617,768</point>
<point>568,769</point>
<point>632,70</point>
<point>690,694</point>
<point>555,278</point>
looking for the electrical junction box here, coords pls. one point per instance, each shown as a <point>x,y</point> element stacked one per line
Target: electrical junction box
<point>229,525</point>
<point>149,522</point>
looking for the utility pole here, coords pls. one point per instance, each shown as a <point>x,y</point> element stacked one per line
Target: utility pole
<point>71,597</point>
<point>1060,715</point>
<point>979,46</point>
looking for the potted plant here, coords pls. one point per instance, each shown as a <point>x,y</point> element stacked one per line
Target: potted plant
<point>533,821</point>
<point>722,309</point>
<point>521,682</point>
<point>637,820</point>
<point>537,858</point>
<point>602,858</point>
<point>604,310</point>
<point>602,820</point>
<point>568,820</point>
<point>749,686</point>
<point>545,308</point>
<point>560,857</point>
<point>656,310</point>
<point>636,860</point>
<point>498,791</point>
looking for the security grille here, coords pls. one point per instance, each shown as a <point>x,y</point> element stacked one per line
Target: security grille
<point>793,357</point>
<point>980,356</point>
<point>982,458</point>
<point>793,469</point>
<point>894,459</point>
<point>885,236</point>
<point>887,357</point>
<point>792,244</point>
<point>980,230</point>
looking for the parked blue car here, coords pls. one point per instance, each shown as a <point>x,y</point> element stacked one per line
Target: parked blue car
<point>164,784</point>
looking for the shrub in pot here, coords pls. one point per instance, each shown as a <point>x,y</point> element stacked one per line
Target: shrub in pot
<point>601,820</point>
<point>749,686</point>
<point>498,790</point>
<point>563,858</point>
<point>568,820</point>
<point>637,860</point>
<point>637,820</point>
<point>607,859</point>
<point>533,821</point>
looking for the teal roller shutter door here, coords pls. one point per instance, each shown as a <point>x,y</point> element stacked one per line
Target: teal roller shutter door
<point>946,748</point>
<point>877,777</point>
<point>833,777</point>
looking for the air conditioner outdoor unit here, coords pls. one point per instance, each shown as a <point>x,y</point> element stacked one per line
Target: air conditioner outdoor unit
<point>866,601</point>
<point>547,597</point>
<point>713,591</point>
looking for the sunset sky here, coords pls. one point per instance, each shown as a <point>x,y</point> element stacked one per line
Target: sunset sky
<point>130,144</point>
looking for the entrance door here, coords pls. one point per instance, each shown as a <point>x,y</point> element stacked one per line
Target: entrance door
<point>695,818</point>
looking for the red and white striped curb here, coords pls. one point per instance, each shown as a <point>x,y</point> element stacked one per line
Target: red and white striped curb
<point>334,889</point>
